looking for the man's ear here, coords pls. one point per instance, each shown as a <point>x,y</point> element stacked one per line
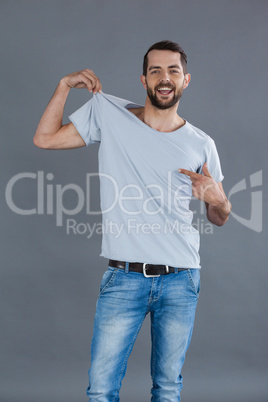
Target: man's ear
<point>143,81</point>
<point>187,79</point>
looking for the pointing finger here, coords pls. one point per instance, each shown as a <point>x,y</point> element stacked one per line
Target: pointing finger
<point>189,173</point>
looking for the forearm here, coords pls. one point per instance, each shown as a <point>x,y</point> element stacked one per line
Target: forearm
<point>51,121</point>
<point>219,214</point>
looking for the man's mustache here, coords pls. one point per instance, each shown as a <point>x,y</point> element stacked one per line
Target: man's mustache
<point>165,86</point>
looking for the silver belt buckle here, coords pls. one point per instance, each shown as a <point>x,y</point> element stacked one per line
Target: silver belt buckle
<point>152,276</point>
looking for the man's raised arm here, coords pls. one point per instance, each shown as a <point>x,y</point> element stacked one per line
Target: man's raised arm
<point>50,133</point>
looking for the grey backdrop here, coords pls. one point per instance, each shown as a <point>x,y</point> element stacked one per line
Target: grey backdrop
<point>50,279</point>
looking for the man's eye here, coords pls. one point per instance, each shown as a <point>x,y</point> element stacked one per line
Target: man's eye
<point>175,71</point>
<point>155,72</point>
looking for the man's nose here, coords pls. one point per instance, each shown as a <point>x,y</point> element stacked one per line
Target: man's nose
<point>165,76</point>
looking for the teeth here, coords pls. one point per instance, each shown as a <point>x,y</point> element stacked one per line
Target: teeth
<point>164,89</point>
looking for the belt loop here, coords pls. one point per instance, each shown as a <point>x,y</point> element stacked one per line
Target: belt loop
<point>176,270</point>
<point>126,267</point>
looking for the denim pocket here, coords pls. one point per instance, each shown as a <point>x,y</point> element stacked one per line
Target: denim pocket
<point>107,279</point>
<point>194,278</point>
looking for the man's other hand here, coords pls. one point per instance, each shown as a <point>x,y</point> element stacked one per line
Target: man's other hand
<point>83,79</point>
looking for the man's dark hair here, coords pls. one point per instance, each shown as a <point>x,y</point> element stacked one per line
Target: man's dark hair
<point>166,45</point>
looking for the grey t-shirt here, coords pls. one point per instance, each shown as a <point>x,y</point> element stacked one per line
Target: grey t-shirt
<point>144,199</point>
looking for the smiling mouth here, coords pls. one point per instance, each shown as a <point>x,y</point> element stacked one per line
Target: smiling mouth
<point>165,90</point>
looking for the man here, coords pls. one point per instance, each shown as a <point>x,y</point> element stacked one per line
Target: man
<point>151,162</point>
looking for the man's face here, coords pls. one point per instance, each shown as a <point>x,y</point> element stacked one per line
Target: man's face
<point>165,80</point>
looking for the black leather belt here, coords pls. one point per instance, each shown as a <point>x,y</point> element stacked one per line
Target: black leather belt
<point>148,270</point>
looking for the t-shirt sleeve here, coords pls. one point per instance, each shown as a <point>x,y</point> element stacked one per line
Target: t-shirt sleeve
<point>211,156</point>
<point>87,120</point>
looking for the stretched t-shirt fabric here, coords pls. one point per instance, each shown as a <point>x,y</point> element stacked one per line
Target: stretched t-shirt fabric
<point>144,199</point>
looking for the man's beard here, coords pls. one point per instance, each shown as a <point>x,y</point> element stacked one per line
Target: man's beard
<point>163,104</point>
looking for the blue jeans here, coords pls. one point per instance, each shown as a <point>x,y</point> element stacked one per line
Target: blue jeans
<point>124,301</point>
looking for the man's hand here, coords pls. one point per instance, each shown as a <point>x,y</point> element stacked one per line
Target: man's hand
<point>83,79</point>
<point>204,187</point>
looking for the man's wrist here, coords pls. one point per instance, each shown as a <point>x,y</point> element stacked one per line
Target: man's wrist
<point>223,205</point>
<point>63,85</point>
<point>220,201</point>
